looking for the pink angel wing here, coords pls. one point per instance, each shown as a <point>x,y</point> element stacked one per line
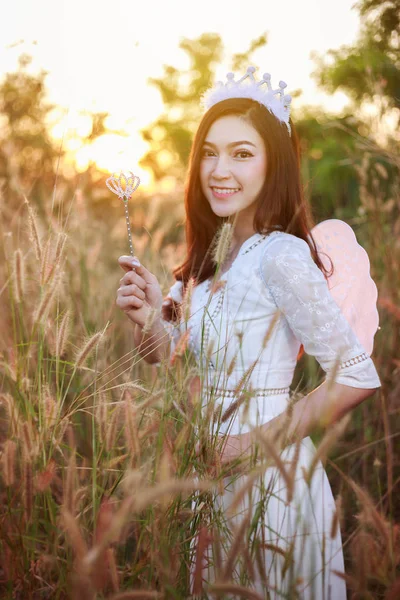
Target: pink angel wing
<point>351,285</point>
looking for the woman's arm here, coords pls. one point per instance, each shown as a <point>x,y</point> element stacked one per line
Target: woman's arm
<point>321,408</point>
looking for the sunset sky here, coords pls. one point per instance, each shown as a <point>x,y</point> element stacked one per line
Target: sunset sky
<point>100,53</point>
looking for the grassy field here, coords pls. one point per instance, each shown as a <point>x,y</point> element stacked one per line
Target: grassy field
<point>101,487</point>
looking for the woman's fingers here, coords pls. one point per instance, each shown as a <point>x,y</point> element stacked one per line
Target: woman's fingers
<point>132,290</point>
<point>126,262</point>
<point>132,278</point>
<point>128,302</point>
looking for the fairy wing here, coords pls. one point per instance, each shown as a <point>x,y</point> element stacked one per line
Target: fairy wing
<point>351,285</point>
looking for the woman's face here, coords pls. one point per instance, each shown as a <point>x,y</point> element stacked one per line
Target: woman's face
<point>234,161</point>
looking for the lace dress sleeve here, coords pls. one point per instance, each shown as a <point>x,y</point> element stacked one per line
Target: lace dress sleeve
<point>300,291</point>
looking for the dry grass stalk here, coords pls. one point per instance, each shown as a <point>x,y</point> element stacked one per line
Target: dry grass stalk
<point>70,485</point>
<point>180,347</point>
<point>258,471</point>
<point>222,244</point>
<point>131,385</point>
<point>138,595</point>
<point>43,480</point>
<point>87,348</point>
<point>238,591</point>
<point>328,441</point>
<point>112,565</point>
<point>235,547</point>
<point>49,408</point>
<point>33,231</point>
<point>111,433</point>
<point>70,526</point>
<point>260,561</point>
<point>47,298</point>
<point>270,329</point>
<point>19,276</point>
<point>150,320</point>
<point>371,515</point>
<point>131,431</point>
<point>60,245</point>
<point>8,462</point>
<point>203,541</point>
<point>337,516</point>
<point>99,573</point>
<point>28,490</point>
<point>243,380</point>
<point>102,417</point>
<point>187,299</point>
<point>63,334</point>
<point>138,502</point>
<point>61,428</point>
<point>272,451</point>
<point>27,440</point>
<point>295,460</point>
<point>233,407</point>
<point>231,366</point>
<point>44,263</point>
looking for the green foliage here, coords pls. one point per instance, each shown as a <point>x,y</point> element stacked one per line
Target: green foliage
<point>170,136</point>
<point>371,65</point>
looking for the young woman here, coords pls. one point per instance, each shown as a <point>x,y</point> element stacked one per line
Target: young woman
<point>272,300</point>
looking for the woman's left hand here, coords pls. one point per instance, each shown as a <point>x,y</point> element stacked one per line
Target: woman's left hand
<point>236,447</point>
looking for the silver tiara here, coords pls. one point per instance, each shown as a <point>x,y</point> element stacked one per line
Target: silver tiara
<point>274,100</point>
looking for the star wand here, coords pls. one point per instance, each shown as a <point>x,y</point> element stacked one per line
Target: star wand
<point>124,187</point>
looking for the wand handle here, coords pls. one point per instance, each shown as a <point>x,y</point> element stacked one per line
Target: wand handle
<point>128,226</point>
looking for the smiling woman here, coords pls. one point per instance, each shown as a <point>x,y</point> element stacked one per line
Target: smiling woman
<point>245,325</point>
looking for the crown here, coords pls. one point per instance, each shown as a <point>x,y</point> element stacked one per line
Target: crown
<point>274,100</point>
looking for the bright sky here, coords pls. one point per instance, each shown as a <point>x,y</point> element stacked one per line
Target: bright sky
<point>99,54</point>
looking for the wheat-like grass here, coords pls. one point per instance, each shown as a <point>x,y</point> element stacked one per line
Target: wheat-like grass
<point>19,276</point>
<point>28,490</point>
<point>8,462</point>
<point>238,591</point>
<point>63,333</point>
<point>44,304</point>
<point>84,352</point>
<point>223,240</point>
<point>33,229</point>
<point>44,261</point>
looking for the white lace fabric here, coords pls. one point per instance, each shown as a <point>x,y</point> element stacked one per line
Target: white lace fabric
<point>300,291</point>
<point>273,273</point>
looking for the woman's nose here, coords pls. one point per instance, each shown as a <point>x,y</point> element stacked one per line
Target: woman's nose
<point>221,168</point>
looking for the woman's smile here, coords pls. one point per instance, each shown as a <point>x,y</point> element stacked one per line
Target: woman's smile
<point>220,192</point>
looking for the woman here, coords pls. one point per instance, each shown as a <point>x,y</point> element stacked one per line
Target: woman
<point>272,300</point>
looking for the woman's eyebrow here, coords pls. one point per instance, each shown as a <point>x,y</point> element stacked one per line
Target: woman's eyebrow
<point>232,143</point>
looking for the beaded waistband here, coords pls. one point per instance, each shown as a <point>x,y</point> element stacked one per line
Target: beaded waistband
<point>254,392</point>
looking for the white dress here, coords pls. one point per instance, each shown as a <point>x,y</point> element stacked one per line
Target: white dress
<point>276,272</point>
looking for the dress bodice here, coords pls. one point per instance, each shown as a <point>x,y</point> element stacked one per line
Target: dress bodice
<point>271,300</point>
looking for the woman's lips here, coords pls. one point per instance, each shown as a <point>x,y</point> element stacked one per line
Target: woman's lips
<point>220,195</point>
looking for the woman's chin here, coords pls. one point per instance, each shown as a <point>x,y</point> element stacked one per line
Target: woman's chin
<point>223,211</point>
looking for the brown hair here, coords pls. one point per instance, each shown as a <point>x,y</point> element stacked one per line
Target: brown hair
<point>279,205</point>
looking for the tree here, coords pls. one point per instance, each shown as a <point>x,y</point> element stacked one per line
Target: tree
<point>371,66</point>
<point>170,136</point>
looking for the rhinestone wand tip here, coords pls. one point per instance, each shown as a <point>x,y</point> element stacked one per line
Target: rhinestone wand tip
<point>123,187</point>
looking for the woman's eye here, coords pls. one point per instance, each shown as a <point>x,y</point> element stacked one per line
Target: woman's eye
<point>243,152</point>
<point>208,152</point>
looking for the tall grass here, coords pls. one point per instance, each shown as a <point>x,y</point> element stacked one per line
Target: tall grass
<point>103,489</point>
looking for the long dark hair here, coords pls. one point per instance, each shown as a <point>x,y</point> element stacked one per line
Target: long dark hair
<point>281,203</point>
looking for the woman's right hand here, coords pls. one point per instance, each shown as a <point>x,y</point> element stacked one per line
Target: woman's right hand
<point>139,291</point>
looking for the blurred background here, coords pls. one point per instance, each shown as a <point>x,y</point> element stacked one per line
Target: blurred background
<point>91,88</point>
